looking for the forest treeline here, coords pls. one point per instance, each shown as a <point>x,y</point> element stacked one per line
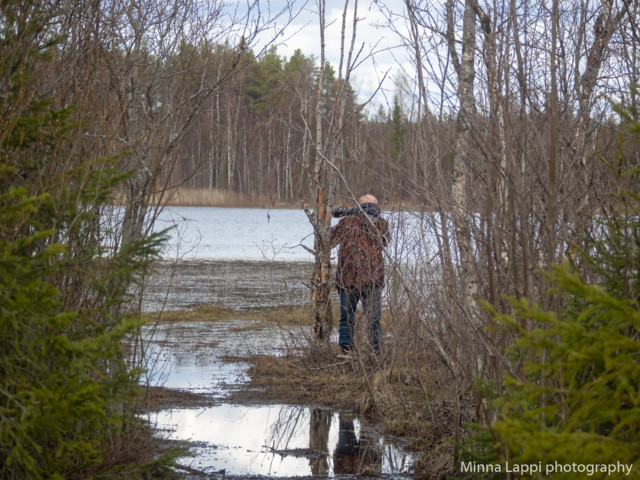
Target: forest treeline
<point>252,136</point>
<point>513,137</point>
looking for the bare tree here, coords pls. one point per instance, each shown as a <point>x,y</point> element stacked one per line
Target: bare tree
<point>514,186</point>
<point>322,177</point>
<point>153,72</point>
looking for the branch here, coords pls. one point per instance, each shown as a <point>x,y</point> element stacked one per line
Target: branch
<point>451,38</point>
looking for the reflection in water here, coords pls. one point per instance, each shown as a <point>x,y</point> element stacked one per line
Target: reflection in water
<point>282,440</point>
<point>318,440</point>
<point>263,440</point>
<point>352,455</point>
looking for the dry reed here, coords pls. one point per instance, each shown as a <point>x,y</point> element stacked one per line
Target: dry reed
<point>201,197</point>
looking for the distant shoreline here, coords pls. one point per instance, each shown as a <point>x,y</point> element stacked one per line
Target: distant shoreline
<point>202,197</point>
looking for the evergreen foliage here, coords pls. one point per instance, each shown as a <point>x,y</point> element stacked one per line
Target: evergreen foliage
<point>64,382</point>
<point>397,130</point>
<point>576,398</point>
<point>265,80</point>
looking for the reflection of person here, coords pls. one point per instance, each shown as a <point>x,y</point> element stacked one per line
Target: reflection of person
<point>361,237</point>
<point>345,456</point>
<point>351,455</point>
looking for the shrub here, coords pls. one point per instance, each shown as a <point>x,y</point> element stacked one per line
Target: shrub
<point>64,383</point>
<point>576,398</point>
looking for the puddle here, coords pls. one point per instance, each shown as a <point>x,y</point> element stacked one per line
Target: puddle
<point>188,356</point>
<point>282,440</point>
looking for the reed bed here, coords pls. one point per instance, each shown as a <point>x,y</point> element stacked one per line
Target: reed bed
<point>201,197</point>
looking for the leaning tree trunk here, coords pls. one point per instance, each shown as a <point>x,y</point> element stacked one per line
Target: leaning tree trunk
<point>326,170</point>
<point>321,280</point>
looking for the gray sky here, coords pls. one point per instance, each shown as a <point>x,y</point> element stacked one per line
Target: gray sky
<point>378,53</point>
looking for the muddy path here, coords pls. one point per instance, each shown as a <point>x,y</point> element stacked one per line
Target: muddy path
<point>201,369</point>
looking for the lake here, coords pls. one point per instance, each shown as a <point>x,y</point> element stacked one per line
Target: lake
<point>249,257</point>
<point>248,234</point>
<point>257,235</point>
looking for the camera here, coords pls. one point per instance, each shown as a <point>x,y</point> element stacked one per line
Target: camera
<point>338,212</point>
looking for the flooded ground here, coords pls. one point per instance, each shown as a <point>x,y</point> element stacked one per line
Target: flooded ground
<point>200,357</point>
<point>234,284</point>
<point>240,441</point>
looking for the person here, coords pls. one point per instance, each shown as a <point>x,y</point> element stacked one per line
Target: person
<point>361,236</point>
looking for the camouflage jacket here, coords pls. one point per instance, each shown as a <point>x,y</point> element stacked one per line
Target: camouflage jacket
<point>360,257</point>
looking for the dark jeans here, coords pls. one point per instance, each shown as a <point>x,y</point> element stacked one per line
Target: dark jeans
<point>371,298</point>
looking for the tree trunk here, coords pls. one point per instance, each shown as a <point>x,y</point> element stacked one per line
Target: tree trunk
<point>462,217</point>
<point>321,280</point>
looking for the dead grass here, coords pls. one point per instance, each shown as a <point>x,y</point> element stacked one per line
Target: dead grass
<point>154,399</point>
<point>276,316</point>
<point>294,379</point>
<point>210,313</point>
<point>202,197</point>
<point>394,396</point>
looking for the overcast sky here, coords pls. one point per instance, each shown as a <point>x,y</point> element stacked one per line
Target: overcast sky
<point>379,56</point>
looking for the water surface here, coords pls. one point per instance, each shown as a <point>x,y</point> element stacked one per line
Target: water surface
<point>282,235</point>
<point>235,284</point>
<point>283,440</point>
<point>246,234</point>
<point>194,356</point>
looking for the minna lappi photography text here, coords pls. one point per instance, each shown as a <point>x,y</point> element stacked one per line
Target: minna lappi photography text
<point>618,469</point>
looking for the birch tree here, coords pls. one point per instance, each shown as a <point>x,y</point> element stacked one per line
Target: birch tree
<point>526,84</point>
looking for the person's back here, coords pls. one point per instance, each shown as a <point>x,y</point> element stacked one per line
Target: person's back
<point>361,237</point>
